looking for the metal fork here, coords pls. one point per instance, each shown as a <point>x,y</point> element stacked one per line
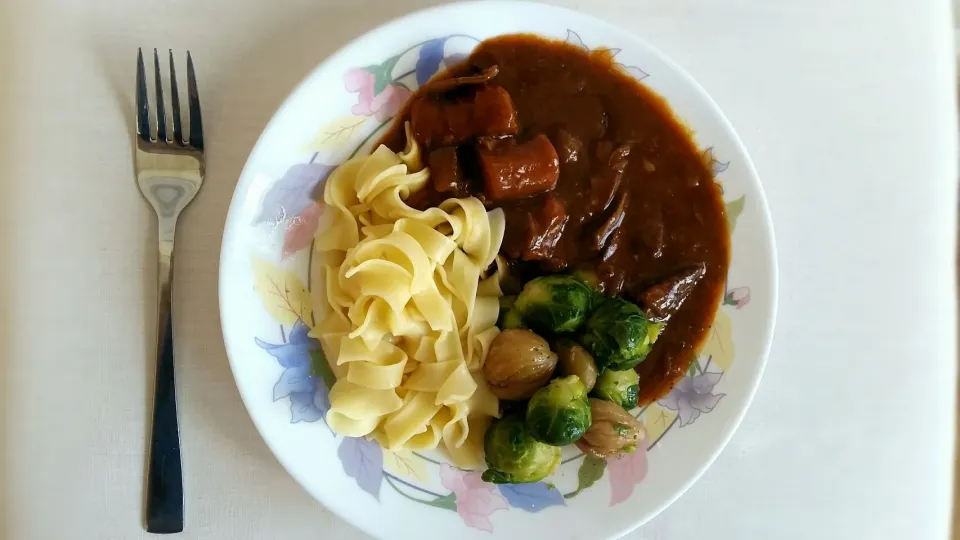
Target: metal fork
<point>169,173</point>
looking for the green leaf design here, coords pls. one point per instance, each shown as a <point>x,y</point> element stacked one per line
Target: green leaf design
<point>319,367</point>
<point>733,211</point>
<point>590,471</point>
<point>447,502</point>
<point>383,74</point>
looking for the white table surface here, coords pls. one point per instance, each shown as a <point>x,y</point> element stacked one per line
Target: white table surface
<point>848,109</point>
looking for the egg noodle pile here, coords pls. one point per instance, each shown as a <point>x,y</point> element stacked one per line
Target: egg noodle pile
<point>411,308</point>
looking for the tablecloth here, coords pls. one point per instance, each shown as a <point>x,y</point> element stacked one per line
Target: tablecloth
<point>847,108</point>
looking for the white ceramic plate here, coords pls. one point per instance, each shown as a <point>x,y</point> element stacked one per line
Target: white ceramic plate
<point>267,288</point>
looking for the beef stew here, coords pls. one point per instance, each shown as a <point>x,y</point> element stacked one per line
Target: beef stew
<point>594,173</point>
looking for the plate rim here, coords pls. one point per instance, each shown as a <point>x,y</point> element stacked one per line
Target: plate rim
<point>752,380</point>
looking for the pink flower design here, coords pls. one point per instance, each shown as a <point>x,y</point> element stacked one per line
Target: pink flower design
<point>738,297</point>
<point>626,471</point>
<point>476,499</point>
<point>384,105</point>
<point>302,229</point>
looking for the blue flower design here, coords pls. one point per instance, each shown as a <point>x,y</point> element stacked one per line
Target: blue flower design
<point>716,165</point>
<point>431,55</point>
<point>304,379</point>
<point>292,193</point>
<point>574,39</point>
<point>531,497</point>
<point>363,461</point>
<point>693,395</point>
<point>428,63</point>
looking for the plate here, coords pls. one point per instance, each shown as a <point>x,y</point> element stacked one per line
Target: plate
<point>268,286</point>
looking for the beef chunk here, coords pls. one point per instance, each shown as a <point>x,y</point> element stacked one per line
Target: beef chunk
<point>569,147</point>
<point>544,230</point>
<point>437,121</point>
<point>518,170</point>
<point>446,85</point>
<point>663,300</point>
<point>605,183</point>
<point>445,170</point>
<point>612,223</point>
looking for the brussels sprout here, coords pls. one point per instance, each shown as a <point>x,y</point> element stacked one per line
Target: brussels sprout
<point>589,277</point>
<point>619,335</point>
<point>620,387</point>
<point>575,360</point>
<point>612,432</point>
<point>559,413</point>
<point>555,303</point>
<point>511,320</point>
<point>509,316</point>
<point>513,456</point>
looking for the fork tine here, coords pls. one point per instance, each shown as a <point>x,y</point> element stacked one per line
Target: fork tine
<point>143,104</point>
<point>175,103</point>
<point>161,111</point>
<point>196,122</point>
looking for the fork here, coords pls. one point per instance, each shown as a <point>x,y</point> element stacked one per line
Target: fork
<point>169,173</point>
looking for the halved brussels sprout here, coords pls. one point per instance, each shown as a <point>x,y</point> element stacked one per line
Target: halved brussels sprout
<point>509,316</point>
<point>620,387</point>
<point>559,413</point>
<point>513,456</point>
<point>554,304</point>
<point>619,335</point>
<point>589,277</point>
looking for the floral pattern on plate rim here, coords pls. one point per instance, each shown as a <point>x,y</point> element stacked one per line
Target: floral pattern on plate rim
<point>306,377</point>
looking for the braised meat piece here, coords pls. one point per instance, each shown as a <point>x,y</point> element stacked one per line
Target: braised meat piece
<point>569,147</point>
<point>661,301</point>
<point>605,181</point>
<point>438,121</point>
<point>445,85</point>
<point>518,170</point>
<point>445,170</point>
<point>612,223</point>
<point>538,228</point>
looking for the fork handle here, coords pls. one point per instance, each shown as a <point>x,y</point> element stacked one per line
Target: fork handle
<point>164,472</point>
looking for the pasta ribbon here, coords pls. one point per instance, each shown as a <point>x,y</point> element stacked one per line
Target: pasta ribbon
<point>412,299</point>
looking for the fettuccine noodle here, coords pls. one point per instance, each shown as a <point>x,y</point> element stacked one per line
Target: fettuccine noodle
<point>411,308</point>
